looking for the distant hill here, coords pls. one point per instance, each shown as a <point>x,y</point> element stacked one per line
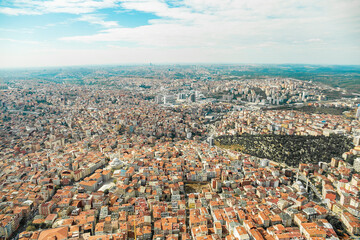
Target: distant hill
<point>347,77</point>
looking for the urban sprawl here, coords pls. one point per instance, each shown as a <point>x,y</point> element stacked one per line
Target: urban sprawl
<point>138,157</point>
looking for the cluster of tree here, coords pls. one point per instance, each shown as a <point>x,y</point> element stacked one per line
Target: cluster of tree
<point>337,225</point>
<point>34,226</point>
<point>336,94</point>
<point>144,86</point>
<point>44,102</point>
<point>313,109</point>
<point>290,149</point>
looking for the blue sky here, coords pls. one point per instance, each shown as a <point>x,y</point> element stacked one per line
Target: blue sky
<point>81,32</point>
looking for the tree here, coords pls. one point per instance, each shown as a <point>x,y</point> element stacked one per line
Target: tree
<point>289,149</point>
<point>336,223</point>
<point>30,228</point>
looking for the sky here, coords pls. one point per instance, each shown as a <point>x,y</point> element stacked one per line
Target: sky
<point>39,33</point>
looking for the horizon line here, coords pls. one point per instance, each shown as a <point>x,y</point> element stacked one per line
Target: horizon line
<point>150,64</point>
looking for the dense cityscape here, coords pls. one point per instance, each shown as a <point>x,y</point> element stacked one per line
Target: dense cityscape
<point>197,152</point>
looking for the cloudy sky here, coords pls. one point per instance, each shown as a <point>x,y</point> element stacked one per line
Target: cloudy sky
<point>81,32</point>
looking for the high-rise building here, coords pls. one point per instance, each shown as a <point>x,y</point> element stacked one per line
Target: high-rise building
<point>357,141</point>
<point>211,141</point>
<point>181,96</point>
<point>188,135</point>
<point>304,94</point>
<point>169,99</point>
<point>357,164</point>
<point>192,97</point>
<point>334,162</point>
<point>159,99</point>
<point>358,112</point>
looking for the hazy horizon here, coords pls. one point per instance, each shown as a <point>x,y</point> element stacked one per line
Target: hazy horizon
<point>176,64</point>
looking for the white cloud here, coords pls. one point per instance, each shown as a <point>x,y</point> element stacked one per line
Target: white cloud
<point>226,23</point>
<point>315,40</point>
<point>98,20</point>
<point>214,30</point>
<point>18,11</point>
<point>33,7</point>
<point>21,30</point>
<point>19,41</point>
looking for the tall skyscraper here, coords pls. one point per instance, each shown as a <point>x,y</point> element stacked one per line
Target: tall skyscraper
<point>192,97</point>
<point>358,112</point>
